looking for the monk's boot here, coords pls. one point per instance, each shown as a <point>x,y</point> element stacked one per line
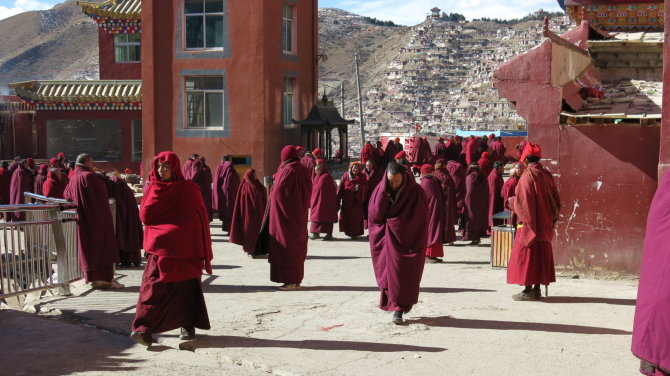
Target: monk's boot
<point>144,339</point>
<point>187,333</point>
<point>328,237</point>
<point>397,317</point>
<point>537,293</point>
<point>315,235</point>
<point>525,296</point>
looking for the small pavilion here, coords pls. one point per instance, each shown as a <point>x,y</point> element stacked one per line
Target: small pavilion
<point>316,129</point>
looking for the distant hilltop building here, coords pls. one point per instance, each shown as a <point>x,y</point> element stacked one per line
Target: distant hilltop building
<point>435,12</point>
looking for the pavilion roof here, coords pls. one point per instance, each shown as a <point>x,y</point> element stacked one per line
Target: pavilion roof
<point>105,91</point>
<point>114,9</point>
<point>324,113</point>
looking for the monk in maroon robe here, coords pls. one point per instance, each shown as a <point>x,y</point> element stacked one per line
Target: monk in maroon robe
<point>248,211</point>
<point>54,186</point>
<point>485,164</point>
<point>5,181</point>
<point>374,174</point>
<point>652,310</point>
<point>187,168</point>
<point>496,183</point>
<point>398,220</point>
<point>350,198</point>
<point>476,205</point>
<point>14,165</point>
<point>440,149</point>
<point>98,250</point>
<point>449,195</point>
<point>226,184</point>
<point>367,152</point>
<point>323,203</point>
<point>436,218</point>
<point>40,178</point>
<point>471,153</point>
<point>536,206</point>
<point>129,232</point>
<point>308,161</point>
<point>509,188</point>
<point>22,181</point>
<point>289,207</point>
<point>457,173</point>
<point>179,245</point>
<point>206,188</point>
<point>498,150</point>
<point>391,150</point>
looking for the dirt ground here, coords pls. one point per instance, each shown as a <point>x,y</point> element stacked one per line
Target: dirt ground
<point>465,323</point>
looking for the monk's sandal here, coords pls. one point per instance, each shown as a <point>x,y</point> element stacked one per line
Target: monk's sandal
<point>397,317</point>
<point>144,339</point>
<point>187,333</point>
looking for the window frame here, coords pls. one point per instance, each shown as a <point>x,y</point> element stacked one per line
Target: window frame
<point>127,45</point>
<point>203,15</point>
<point>288,122</point>
<point>204,93</point>
<point>293,30</point>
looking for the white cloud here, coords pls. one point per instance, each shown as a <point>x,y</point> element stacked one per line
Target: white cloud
<point>413,12</point>
<point>21,6</point>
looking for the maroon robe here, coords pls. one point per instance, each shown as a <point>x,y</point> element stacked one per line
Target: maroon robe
<point>308,161</point>
<point>129,232</point>
<point>508,191</point>
<point>40,178</point>
<point>373,177</point>
<point>498,151</point>
<point>289,207</point>
<point>536,206</point>
<point>420,152</point>
<point>651,326</point>
<point>485,164</point>
<point>476,205</point>
<point>449,194</point>
<point>248,212</point>
<point>367,153</point>
<point>457,174</point>
<point>323,203</point>
<point>226,185</point>
<point>5,181</point>
<point>22,181</point>
<point>391,150</point>
<point>199,175</point>
<point>496,183</point>
<point>179,244</point>
<point>441,150</point>
<point>53,187</point>
<point>471,151</point>
<point>436,218</point>
<point>187,168</point>
<point>350,198</point>
<point>398,240</point>
<point>98,250</point>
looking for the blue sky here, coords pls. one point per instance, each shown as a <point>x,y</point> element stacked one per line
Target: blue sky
<point>400,11</point>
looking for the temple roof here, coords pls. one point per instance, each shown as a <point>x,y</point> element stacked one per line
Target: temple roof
<point>101,91</point>
<point>115,9</point>
<point>324,113</point>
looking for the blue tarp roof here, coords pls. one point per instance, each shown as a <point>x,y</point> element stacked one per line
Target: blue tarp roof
<point>460,132</point>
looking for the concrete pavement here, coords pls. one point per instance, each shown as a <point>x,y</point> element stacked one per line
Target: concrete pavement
<point>465,323</point>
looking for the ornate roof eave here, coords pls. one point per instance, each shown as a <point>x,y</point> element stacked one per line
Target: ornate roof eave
<point>76,95</point>
<point>113,9</point>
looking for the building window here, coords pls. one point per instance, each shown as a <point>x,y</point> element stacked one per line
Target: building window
<point>127,48</point>
<point>287,29</point>
<point>99,138</point>
<point>136,140</point>
<point>203,24</point>
<point>204,102</point>
<point>288,101</point>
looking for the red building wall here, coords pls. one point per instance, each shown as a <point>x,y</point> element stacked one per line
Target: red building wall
<point>254,69</point>
<point>109,68</point>
<point>606,175</point>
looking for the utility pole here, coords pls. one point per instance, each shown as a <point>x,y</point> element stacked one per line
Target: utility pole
<point>341,100</point>
<point>360,101</point>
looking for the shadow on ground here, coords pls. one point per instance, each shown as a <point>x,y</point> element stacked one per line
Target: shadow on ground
<point>205,341</point>
<point>451,322</point>
<point>587,300</point>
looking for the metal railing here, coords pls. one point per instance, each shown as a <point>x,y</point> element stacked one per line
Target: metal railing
<point>33,254</point>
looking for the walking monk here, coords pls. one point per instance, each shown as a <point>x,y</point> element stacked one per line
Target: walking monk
<point>289,206</point>
<point>177,239</point>
<point>350,198</point>
<point>323,204</point>
<point>476,205</point>
<point>449,193</point>
<point>398,223</point>
<point>652,311</point>
<point>536,206</point>
<point>436,218</point>
<point>248,212</point>
<point>98,250</point>
<point>226,184</point>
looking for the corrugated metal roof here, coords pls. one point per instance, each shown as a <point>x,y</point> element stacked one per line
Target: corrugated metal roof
<point>118,9</point>
<point>79,91</point>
